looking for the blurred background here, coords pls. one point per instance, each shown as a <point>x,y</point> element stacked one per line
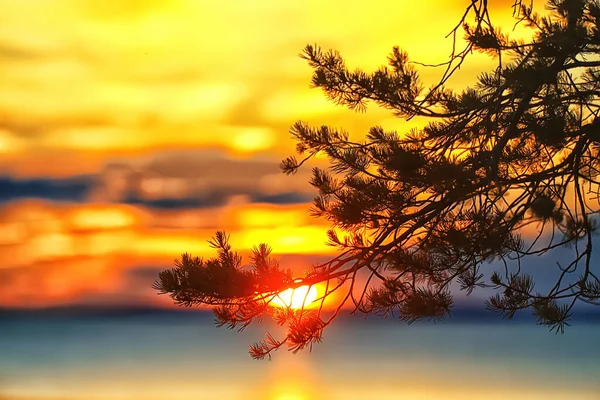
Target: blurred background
<point>131,131</point>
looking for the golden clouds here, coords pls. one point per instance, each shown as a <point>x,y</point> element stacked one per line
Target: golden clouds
<point>12,233</point>
<point>102,217</point>
<point>9,143</point>
<point>58,282</point>
<point>154,74</point>
<point>60,253</point>
<point>41,231</point>
<point>199,178</point>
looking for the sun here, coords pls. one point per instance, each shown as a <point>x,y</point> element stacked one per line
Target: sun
<point>296,298</point>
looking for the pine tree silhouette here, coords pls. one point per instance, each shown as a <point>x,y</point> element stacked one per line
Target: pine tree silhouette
<point>420,211</point>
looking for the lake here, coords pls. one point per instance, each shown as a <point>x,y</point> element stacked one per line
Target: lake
<point>181,356</point>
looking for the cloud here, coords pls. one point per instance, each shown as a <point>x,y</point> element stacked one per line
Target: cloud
<point>70,253</point>
<point>70,189</point>
<point>133,289</point>
<point>13,52</point>
<point>170,179</point>
<point>55,282</point>
<point>187,179</point>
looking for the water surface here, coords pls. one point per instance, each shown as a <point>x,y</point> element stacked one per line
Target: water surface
<point>183,356</point>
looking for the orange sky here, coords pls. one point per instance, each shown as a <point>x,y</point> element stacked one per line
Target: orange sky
<point>174,100</point>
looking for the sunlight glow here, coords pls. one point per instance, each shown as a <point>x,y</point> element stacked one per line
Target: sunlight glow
<point>100,218</point>
<point>253,139</point>
<point>296,298</point>
<point>291,397</point>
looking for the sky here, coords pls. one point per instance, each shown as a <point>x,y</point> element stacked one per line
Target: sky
<point>131,131</point>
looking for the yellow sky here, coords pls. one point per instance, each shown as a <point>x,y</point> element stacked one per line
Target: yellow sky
<point>170,89</point>
<point>113,77</point>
